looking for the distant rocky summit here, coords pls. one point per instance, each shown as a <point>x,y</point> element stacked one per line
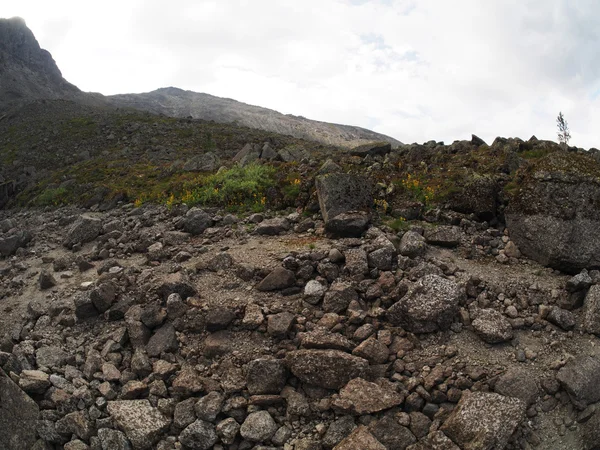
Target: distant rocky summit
<point>179,103</point>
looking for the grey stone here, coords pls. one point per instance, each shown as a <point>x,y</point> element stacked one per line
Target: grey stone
<point>345,201</point>
<point>551,218</point>
<point>373,350</point>
<point>562,318</point>
<point>338,430</point>
<point>9,244</point>
<point>265,376</point>
<point>280,324</point>
<point>184,413</point>
<point>371,149</point>
<point>323,339</point>
<point>580,377</point>
<point>209,406</point>
<point>519,383</point>
<point>444,236</point>
<point>278,279</point>
<point>227,430</point>
<point>258,427</point>
<point>338,297</point>
<point>412,244</point>
<point>77,423</point>
<point>591,310</point>
<point>273,227</point>
<point>199,435</point>
<point>18,416</point>
<point>391,434</point>
<point>431,304</point>
<point>492,327</point>
<point>330,369</point>
<point>356,262</point>
<point>196,221</point>
<point>484,421</point>
<point>113,439</point>
<point>34,381</point>
<point>84,230</point>
<point>164,340</point>
<point>207,162</point>
<point>580,282</point>
<point>46,280</point>
<point>142,423</point>
<point>382,258</point>
<point>103,296</point>
<point>51,356</point>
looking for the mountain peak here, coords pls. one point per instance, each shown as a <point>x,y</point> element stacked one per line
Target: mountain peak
<point>28,72</point>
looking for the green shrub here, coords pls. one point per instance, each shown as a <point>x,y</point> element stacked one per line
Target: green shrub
<point>238,188</point>
<point>52,197</point>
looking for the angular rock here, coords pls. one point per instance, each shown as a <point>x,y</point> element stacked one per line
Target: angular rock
<point>591,310</point>
<point>273,227</point>
<point>9,244</point>
<point>46,280</point>
<point>207,162</point>
<point>217,344</point>
<point>338,430</point>
<point>519,383</point>
<point>330,369</point>
<point>434,441</point>
<point>373,350</point>
<point>391,434</point>
<point>18,416</point>
<point>356,262</point>
<point>345,201</point>
<point>199,435</point>
<point>227,430</point>
<point>113,440</point>
<point>164,340</point>
<point>431,304</point>
<point>580,377</point>
<point>492,327</point>
<point>412,244</point>
<point>278,279</point>
<point>372,149</point>
<point>142,423</point>
<point>338,297</point>
<point>51,356</point>
<point>265,376</point>
<point>361,439</point>
<point>382,258</point>
<point>314,291</point>
<point>484,421</point>
<point>322,339</point>
<point>77,423</point>
<point>258,427</point>
<point>443,236</point>
<point>280,324</point>
<point>562,318</point>
<point>34,381</point>
<point>580,282</point>
<point>84,230</point>
<point>209,406</point>
<point>103,296</point>
<point>361,397</point>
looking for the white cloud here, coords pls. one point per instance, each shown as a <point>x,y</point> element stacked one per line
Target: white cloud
<point>416,70</point>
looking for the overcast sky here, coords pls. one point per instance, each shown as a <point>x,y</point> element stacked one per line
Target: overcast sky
<point>413,69</point>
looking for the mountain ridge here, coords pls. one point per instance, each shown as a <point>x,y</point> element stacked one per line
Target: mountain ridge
<point>28,73</point>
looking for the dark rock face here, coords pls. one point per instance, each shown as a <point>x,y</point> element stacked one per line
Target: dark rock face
<point>479,196</point>
<point>86,229</point>
<point>373,149</point>
<point>9,244</point>
<point>18,416</point>
<point>484,421</point>
<point>430,305</point>
<point>29,72</point>
<point>554,219</point>
<point>345,201</point>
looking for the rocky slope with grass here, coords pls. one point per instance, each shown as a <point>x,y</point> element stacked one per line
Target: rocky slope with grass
<point>278,294</point>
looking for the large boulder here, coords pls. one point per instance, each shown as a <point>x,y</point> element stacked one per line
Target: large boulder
<point>580,377</point>
<point>484,421</point>
<point>85,229</point>
<point>206,162</point>
<point>18,416</point>
<point>372,149</point>
<point>555,215</point>
<point>431,304</point>
<point>196,221</point>
<point>345,201</point>
<point>11,242</point>
<point>478,196</point>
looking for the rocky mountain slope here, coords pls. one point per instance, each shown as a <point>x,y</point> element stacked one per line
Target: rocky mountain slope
<point>421,323</point>
<point>29,73</point>
<point>179,103</point>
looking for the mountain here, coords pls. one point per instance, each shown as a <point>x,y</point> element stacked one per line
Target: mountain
<point>28,73</point>
<point>179,103</point>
